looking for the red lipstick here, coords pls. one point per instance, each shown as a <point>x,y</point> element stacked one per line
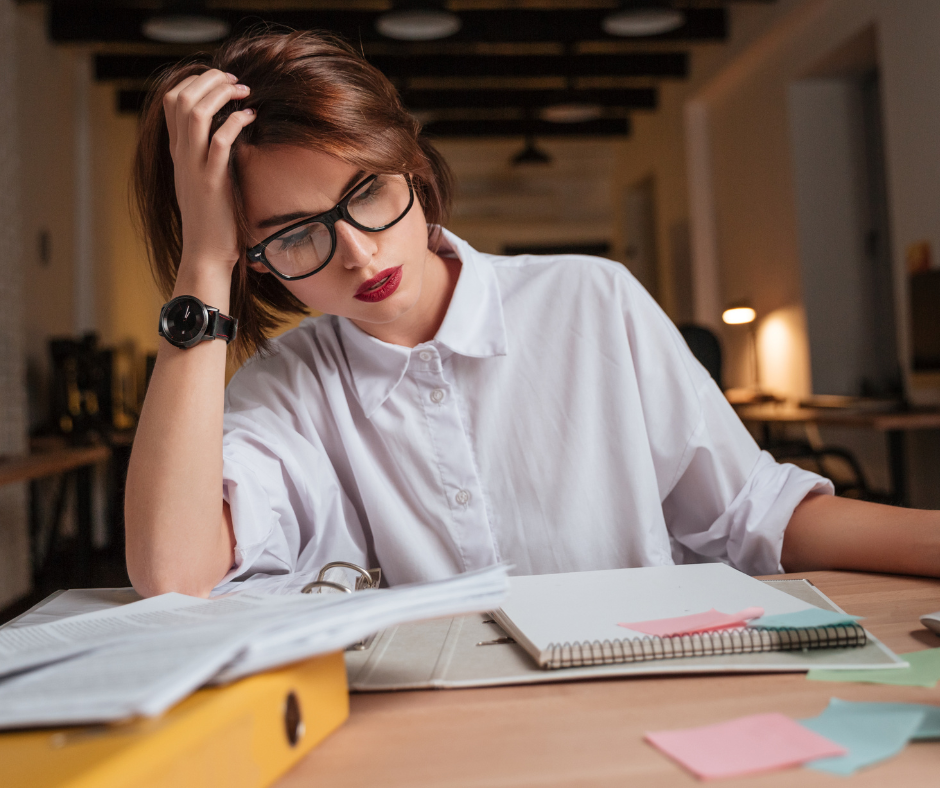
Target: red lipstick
<point>380,286</point>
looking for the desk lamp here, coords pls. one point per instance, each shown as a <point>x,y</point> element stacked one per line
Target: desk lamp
<point>744,314</point>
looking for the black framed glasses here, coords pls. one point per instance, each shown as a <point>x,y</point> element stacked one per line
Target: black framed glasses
<point>305,247</point>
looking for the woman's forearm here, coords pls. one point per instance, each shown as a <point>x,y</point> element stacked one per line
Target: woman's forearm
<point>839,533</point>
<point>179,532</point>
<point>178,536</point>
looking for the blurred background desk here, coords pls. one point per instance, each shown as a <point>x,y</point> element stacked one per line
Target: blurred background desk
<point>590,733</point>
<point>893,423</point>
<point>74,464</point>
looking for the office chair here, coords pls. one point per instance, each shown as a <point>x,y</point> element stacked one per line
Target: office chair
<point>705,347</point>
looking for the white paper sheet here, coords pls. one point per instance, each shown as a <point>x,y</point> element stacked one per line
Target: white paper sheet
<point>26,647</point>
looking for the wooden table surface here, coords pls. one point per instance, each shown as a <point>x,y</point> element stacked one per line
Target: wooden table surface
<point>591,733</point>
<point>884,421</point>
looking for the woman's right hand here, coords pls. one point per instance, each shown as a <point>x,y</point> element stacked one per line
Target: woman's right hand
<point>200,167</point>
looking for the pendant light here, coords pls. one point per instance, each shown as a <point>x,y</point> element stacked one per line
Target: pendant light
<point>638,18</point>
<point>418,20</point>
<point>185,23</point>
<point>531,154</point>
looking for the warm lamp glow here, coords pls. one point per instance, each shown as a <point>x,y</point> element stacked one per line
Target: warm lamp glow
<point>738,315</point>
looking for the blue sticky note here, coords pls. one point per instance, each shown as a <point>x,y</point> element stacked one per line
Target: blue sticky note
<point>929,727</point>
<point>804,619</point>
<point>871,732</point>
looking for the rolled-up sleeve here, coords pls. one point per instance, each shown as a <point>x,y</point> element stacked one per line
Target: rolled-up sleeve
<point>289,510</point>
<point>732,501</point>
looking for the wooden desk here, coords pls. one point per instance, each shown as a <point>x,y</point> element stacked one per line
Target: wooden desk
<point>893,423</point>
<point>590,733</point>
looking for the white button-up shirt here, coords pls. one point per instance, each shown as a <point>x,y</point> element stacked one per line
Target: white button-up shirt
<point>557,421</point>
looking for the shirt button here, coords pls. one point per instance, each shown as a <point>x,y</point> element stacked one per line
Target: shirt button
<point>437,396</point>
<point>425,355</point>
<point>463,497</point>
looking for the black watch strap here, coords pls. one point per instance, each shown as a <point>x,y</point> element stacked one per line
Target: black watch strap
<point>221,326</point>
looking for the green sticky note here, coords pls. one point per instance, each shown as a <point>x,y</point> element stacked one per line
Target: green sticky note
<point>924,671</point>
<point>871,732</point>
<point>804,619</point>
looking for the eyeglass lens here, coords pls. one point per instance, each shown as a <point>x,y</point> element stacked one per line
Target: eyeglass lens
<point>373,206</point>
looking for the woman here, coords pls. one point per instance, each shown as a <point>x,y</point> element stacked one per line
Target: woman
<point>449,409</point>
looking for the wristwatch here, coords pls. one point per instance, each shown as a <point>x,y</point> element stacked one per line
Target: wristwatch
<point>186,321</point>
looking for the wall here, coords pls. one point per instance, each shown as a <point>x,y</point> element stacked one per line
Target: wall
<point>832,216</point>
<point>656,150</point>
<point>128,302</point>
<point>750,161</point>
<point>45,79</point>
<point>566,201</point>
<point>14,544</point>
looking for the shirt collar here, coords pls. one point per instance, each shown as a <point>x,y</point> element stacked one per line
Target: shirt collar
<point>473,327</point>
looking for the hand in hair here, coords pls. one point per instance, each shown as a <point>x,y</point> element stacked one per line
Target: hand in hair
<point>201,166</point>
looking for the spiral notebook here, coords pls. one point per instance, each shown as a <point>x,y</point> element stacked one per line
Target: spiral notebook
<point>574,620</point>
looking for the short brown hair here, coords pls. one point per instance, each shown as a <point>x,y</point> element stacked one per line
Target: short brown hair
<point>308,89</point>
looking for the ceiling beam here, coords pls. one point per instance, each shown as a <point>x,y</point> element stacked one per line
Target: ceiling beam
<point>526,101</point>
<point>602,127</point>
<point>404,67</point>
<point>71,21</point>
<point>635,64</point>
<point>631,98</point>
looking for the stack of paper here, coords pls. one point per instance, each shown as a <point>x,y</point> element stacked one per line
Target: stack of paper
<point>141,658</point>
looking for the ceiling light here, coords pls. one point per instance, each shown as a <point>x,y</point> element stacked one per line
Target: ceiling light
<point>425,23</point>
<point>637,18</point>
<point>531,154</point>
<point>571,113</point>
<point>185,29</point>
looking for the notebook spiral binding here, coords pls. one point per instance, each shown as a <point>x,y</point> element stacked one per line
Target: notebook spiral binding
<point>703,644</point>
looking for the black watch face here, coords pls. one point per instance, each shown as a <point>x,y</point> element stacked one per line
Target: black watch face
<point>185,320</point>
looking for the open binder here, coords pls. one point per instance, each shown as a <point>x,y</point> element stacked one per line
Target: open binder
<point>475,651</point>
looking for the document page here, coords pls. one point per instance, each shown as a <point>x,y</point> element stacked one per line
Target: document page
<point>22,648</point>
<point>25,647</point>
<point>142,676</point>
<point>347,618</point>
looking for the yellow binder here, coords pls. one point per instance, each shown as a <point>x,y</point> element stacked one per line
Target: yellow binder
<point>243,735</point>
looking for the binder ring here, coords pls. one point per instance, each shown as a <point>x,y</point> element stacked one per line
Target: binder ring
<point>308,589</point>
<point>365,580</point>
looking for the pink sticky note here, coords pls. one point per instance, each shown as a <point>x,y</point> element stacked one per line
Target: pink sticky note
<point>759,743</point>
<point>700,622</point>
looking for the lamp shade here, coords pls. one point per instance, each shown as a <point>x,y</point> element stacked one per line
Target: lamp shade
<point>737,315</point>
